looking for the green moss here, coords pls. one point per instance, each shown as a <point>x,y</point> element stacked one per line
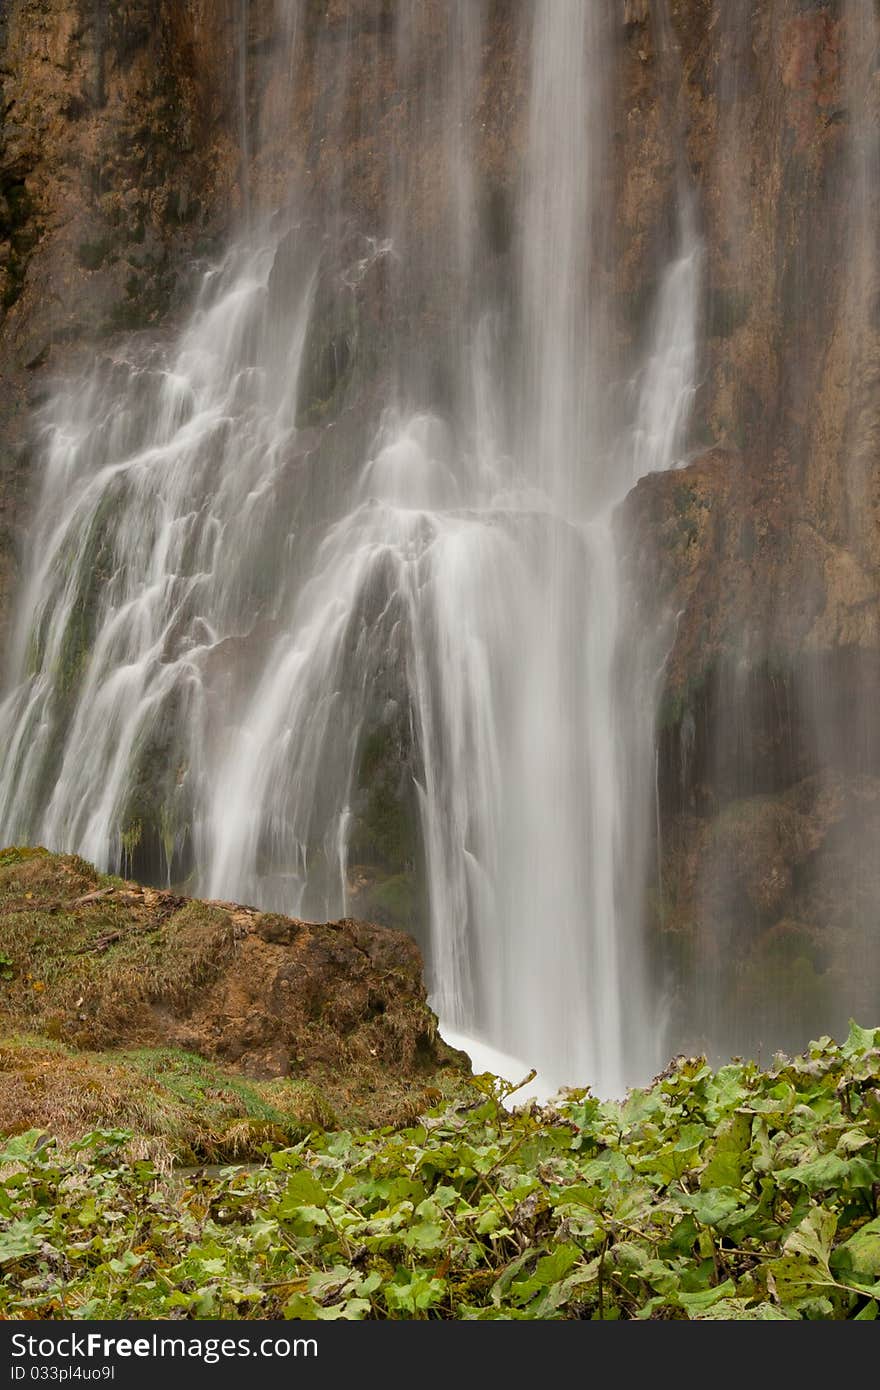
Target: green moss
<point>131,838</point>
<point>180,1106</point>
<point>677,700</point>
<point>91,560</point>
<point>389,828</point>
<point>21,854</point>
<point>386,832</point>
<point>87,960</point>
<point>158,801</point>
<point>90,970</point>
<point>213,1093</point>
<point>393,902</point>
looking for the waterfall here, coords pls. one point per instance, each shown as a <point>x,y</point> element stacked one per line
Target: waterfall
<point>211,633</point>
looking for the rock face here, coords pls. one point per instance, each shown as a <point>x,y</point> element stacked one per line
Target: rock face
<point>119,161</point>
<point>101,964</point>
<point>125,156</point>
<point>758,564</point>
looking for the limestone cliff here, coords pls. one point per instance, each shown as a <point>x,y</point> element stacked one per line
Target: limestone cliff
<point>759,563</point>
<point>119,162</point>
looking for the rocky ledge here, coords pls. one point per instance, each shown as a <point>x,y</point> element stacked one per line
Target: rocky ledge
<point>94,967</point>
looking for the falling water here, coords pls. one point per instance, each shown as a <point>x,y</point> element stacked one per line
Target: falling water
<point>193,609</point>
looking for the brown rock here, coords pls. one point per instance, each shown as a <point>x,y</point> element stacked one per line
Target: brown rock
<point>105,965</point>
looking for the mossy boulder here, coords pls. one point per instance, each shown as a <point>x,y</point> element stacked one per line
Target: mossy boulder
<point>94,963</point>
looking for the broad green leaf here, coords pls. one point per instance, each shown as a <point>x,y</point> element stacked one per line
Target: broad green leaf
<point>682,1239</point>
<point>794,1280</point>
<point>857,1260</point>
<point>853,1141</point>
<point>761,1150</point>
<point>508,1275</point>
<point>813,1237</point>
<point>22,1238</point>
<point>611,1167</point>
<point>489,1221</point>
<point>424,1236</point>
<point>673,1160</point>
<point>802,1274</point>
<point>578,1194</point>
<point>352,1309</point>
<point>741,1310</point>
<point>630,1202</point>
<point>415,1295</point>
<point>860,1040</point>
<point>777,1102</point>
<point>694,1304</point>
<point>827,1171</point>
<point>728,1156</point>
<point>640,1106</point>
<point>579,1285</point>
<point>725,1091</point>
<point>711,1207</point>
<point>301,1306</point>
<point>20,1147</point>
<point>549,1270</point>
<point>302,1190</point>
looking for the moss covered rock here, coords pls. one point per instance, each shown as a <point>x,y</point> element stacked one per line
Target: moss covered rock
<point>93,963</point>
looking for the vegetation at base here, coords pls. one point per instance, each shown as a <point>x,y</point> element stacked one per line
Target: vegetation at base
<point>738,1194</point>
<point>84,950</point>
<point>177,1107</point>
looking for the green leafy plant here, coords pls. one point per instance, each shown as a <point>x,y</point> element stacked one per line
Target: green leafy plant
<point>739,1193</point>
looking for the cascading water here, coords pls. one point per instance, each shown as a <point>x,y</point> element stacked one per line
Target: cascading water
<point>192,606</point>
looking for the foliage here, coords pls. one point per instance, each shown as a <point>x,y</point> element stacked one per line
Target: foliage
<point>739,1194</point>
<point>177,1106</point>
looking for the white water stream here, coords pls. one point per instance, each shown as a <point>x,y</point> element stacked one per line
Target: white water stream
<point>178,612</point>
